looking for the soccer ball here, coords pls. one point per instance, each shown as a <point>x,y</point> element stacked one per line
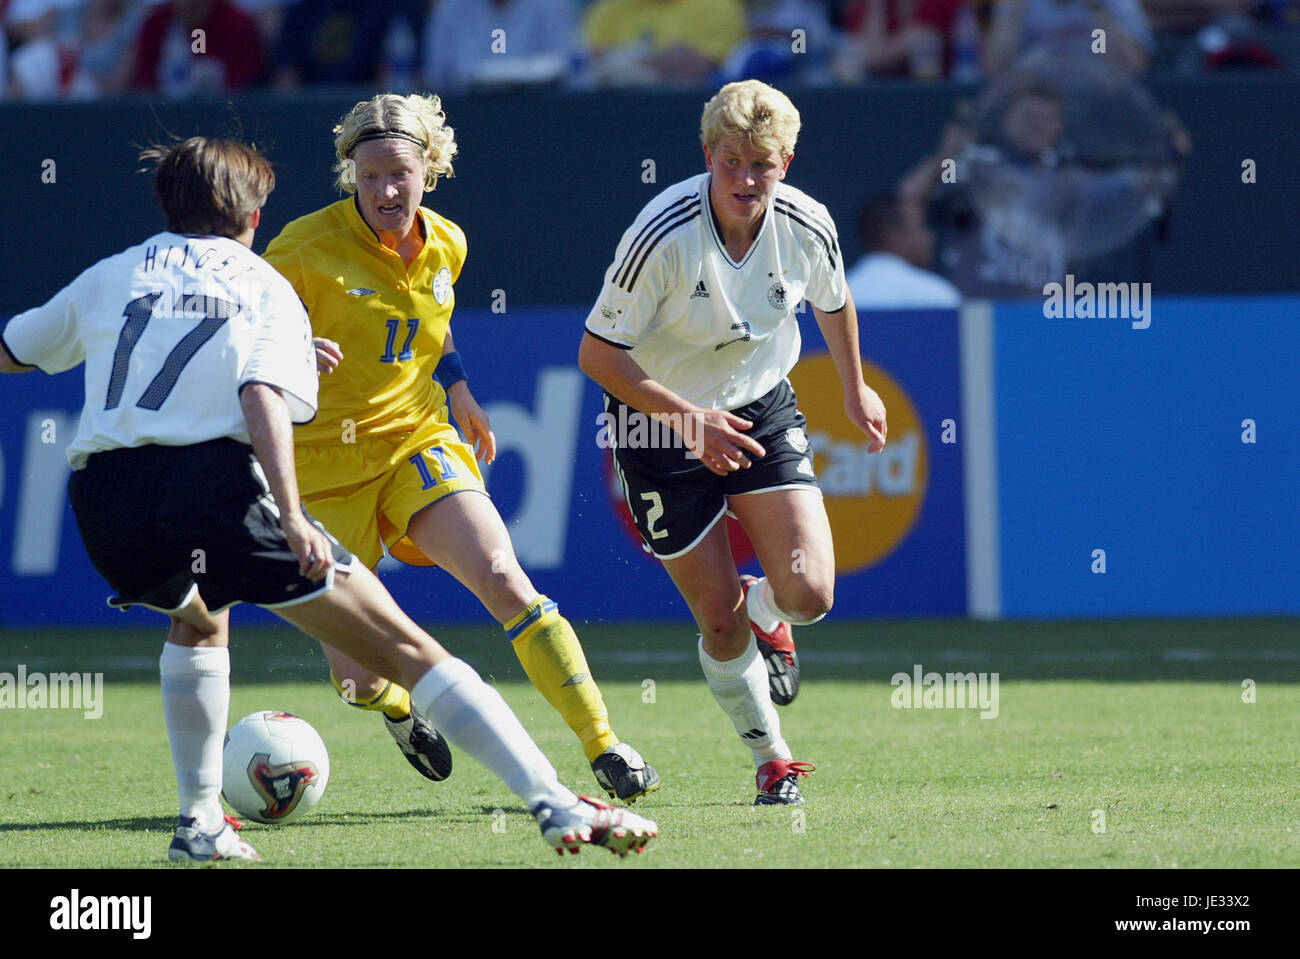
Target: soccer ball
<point>274,767</point>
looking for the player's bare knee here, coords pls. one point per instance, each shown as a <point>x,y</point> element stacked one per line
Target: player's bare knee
<point>807,601</point>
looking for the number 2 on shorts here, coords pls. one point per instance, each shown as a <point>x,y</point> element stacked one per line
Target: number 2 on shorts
<point>653,514</point>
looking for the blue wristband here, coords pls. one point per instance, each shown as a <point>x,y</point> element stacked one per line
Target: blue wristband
<point>450,370</point>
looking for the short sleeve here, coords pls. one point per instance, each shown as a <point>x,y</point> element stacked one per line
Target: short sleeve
<point>635,286</point>
<point>283,355</point>
<point>284,256</point>
<point>47,336</point>
<point>827,289</point>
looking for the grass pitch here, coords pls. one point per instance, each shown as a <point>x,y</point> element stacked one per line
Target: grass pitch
<point>1116,744</point>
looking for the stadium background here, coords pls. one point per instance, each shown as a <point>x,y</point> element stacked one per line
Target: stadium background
<point>1065,436</point>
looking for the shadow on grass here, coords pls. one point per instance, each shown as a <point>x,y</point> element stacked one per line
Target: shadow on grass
<point>313,820</point>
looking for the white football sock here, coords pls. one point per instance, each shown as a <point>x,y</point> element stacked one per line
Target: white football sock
<point>761,605</point>
<point>196,699</point>
<point>760,602</point>
<point>740,687</point>
<point>474,717</point>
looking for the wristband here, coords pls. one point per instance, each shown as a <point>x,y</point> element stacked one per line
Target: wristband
<point>450,370</point>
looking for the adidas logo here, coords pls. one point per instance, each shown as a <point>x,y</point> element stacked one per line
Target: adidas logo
<point>700,290</point>
<point>753,734</point>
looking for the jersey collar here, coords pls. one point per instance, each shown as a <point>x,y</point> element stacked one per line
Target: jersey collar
<point>368,234</point>
<point>716,228</point>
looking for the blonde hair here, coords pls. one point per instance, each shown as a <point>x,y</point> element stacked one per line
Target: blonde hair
<point>752,111</point>
<point>209,187</point>
<point>416,118</point>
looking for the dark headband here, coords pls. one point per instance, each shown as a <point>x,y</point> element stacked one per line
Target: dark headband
<point>388,135</point>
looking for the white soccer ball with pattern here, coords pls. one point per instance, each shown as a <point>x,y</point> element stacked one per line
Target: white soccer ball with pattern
<point>274,767</point>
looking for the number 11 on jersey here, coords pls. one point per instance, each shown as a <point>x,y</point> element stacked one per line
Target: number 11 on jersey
<point>407,353</point>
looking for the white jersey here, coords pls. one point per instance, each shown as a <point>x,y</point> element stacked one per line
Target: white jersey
<point>718,333</point>
<point>169,331</point>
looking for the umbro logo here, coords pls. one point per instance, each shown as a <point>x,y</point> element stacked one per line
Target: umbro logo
<point>360,291</point>
<point>700,290</point>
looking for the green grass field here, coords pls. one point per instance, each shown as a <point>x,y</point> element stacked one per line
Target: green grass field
<point>1142,720</point>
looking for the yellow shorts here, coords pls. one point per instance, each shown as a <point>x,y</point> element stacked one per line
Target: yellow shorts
<point>367,492</point>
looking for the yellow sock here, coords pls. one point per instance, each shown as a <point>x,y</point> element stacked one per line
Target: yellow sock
<point>552,657</point>
<point>393,701</point>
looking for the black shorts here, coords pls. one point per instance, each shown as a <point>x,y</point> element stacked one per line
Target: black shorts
<point>676,500</point>
<point>162,522</point>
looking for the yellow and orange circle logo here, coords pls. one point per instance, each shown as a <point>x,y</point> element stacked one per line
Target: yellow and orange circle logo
<point>872,500</point>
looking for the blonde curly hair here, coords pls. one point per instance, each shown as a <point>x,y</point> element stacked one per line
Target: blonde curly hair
<point>417,118</point>
<point>753,112</point>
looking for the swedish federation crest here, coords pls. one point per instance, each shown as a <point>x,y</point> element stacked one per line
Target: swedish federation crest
<point>442,285</point>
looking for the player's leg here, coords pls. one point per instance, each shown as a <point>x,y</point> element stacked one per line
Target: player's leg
<point>137,516</point>
<point>736,674</point>
<point>778,503</point>
<point>792,538</point>
<point>464,534</point>
<point>350,512</point>
<point>195,673</point>
<point>359,617</point>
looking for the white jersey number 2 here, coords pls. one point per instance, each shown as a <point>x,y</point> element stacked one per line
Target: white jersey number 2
<point>653,514</point>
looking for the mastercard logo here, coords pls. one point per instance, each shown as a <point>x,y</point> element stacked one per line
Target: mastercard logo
<point>872,500</point>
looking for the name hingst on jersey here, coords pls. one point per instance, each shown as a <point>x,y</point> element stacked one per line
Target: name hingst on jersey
<point>873,500</point>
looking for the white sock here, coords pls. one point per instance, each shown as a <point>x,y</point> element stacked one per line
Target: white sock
<point>740,687</point>
<point>474,717</point>
<point>761,605</point>
<point>196,699</point>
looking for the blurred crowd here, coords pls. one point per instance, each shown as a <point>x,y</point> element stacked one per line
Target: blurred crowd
<point>83,49</point>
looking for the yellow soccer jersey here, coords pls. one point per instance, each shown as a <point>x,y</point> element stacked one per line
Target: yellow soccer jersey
<point>390,320</point>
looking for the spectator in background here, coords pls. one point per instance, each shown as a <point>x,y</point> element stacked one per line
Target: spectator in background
<point>1067,26</point>
<point>269,15</point>
<point>357,42</point>
<point>44,63</point>
<point>197,46</point>
<point>975,257</point>
<point>895,272</point>
<point>107,30</point>
<point>900,38</point>
<point>646,42</point>
<point>772,50</point>
<point>462,48</point>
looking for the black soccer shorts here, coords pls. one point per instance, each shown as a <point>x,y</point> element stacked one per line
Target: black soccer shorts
<point>676,500</point>
<point>160,522</point>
